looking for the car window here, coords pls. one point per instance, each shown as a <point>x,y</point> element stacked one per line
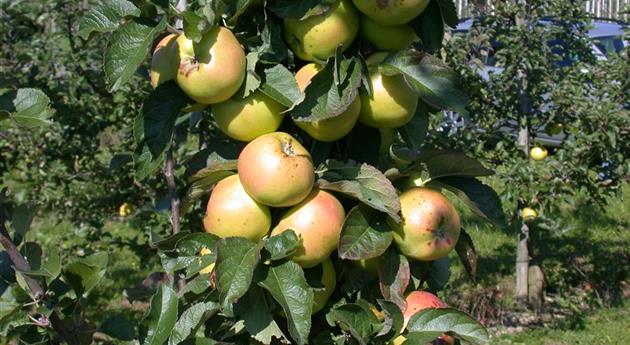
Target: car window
<point>609,44</point>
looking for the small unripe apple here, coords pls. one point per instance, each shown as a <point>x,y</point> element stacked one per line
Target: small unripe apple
<point>276,170</point>
<point>165,61</point>
<point>232,212</point>
<point>248,118</point>
<point>317,37</point>
<point>392,103</point>
<point>208,269</point>
<point>317,220</point>
<point>430,225</point>
<point>212,70</point>
<point>538,153</point>
<point>329,281</point>
<point>528,214</point>
<point>330,129</point>
<point>387,38</point>
<point>391,12</point>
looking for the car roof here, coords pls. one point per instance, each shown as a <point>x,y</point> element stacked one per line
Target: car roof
<point>599,27</point>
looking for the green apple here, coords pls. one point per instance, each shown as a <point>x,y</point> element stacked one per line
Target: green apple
<point>330,129</point>
<point>165,61</point>
<point>430,225</point>
<point>391,12</point>
<point>212,70</point>
<point>248,118</point>
<point>387,38</point>
<point>276,170</point>
<point>232,212</point>
<point>329,281</point>
<point>392,103</point>
<point>317,37</point>
<point>538,153</point>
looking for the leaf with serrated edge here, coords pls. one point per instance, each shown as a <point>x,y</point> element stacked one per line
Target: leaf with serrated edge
<point>480,198</point>
<point>394,320</point>
<point>254,310</point>
<point>436,83</point>
<point>281,245</point>
<point>365,234</point>
<point>394,275</point>
<point>161,316</point>
<point>29,108</point>
<point>357,319</point>
<point>280,84</point>
<point>190,320</point>
<point>442,320</point>
<point>237,258</point>
<point>286,283</point>
<point>446,163</point>
<point>106,17</point>
<point>467,253</point>
<point>128,48</point>
<point>200,184</point>
<point>362,182</point>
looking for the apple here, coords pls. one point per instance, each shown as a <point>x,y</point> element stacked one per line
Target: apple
<point>420,300</point>
<point>329,281</point>
<point>330,129</point>
<point>208,269</point>
<point>430,225</point>
<point>387,38</point>
<point>317,220</point>
<point>164,61</point>
<point>248,118</point>
<point>212,70</point>
<point>370,266</point>
<point>528,214</point>
<point>231,212</point>
<point>276,170</point>
<point>317,37</point>
<point>391,12</point>
<point>538,153</point>
<point>392,103</point>
<point>125,209</point>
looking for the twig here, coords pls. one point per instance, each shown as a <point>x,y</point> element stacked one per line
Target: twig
<point>172,190</point>
<point>36,291</point>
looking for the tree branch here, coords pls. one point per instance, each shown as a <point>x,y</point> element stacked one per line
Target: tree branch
<point>36,291</point>
<point>172,190</point>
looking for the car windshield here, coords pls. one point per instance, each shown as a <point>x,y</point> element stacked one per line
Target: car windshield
<point>609,44</point>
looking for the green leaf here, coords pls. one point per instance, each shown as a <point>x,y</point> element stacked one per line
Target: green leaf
<point>356,319</point>
<point>439,273</point>
<point>430,27</point>
<point>201,182</point>
<point>301,9</point>
<point>119,327</point>
<point>394,276</point>
<point>280,84</point>
<point>286,283</point>
<point>185,254</point>
<point>449,12</point>
<point>146,164</point>
<point>159,111</point>
<point>394,320</point>
<point>363,182</point>
<point>161,316</point>
<point>237,8</point>
<point>127,49</point>
<point>436,83</point>
<point>365,234</point>
<point>190,321</point>
<point>196,286</point>
<point>85,274</point>
<point>330,92</point>
<point>194,25</point>
<point>480,198</point>
<point>270,47</point>
<point>415,131</point>
<point>7,308</point>
<point>252,79</point>
<point>281,246</point>
<point>442,164</point>
<point>434,322</point>
<point>237,258</point>
<point>22,218</point>
<point>255,311</point>
<point>467,253</point>
<point>29,108</point>
<point>106,16</point>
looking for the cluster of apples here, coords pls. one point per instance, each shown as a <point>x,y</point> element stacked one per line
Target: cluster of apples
<point>212,70</point>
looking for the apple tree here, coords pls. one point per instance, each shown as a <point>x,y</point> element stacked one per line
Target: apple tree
<point>304,195</point>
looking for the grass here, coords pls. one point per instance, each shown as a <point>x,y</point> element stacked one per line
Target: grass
<point>607,326</point>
